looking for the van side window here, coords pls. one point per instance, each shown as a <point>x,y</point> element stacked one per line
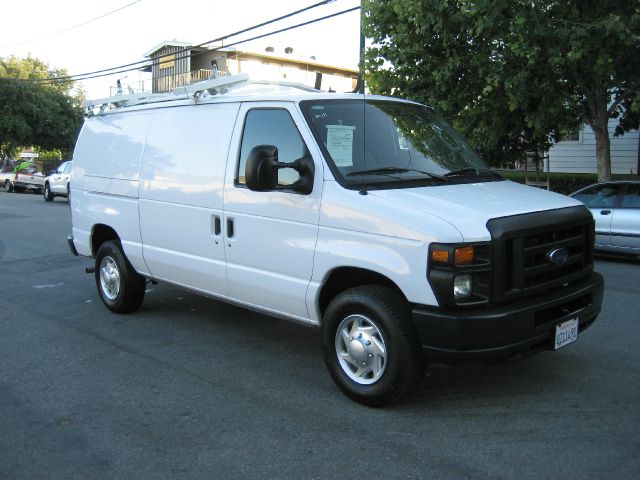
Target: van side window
<point>271,127</point>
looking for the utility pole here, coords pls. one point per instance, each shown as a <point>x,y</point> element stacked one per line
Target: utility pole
<point>361,72</point>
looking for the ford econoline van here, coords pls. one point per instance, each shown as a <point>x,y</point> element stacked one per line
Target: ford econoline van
<point>368,217</point>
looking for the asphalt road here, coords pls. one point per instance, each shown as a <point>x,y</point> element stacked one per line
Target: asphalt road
<point>191,388</point>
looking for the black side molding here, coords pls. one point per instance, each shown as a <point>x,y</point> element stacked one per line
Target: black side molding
<point>72,247</point>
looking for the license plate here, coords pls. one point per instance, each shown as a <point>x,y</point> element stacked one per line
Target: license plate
<point>566,333</point>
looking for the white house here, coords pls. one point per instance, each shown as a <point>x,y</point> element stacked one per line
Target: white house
<point>577,154</point>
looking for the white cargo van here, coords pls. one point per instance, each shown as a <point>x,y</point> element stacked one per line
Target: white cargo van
<point>368,217</point>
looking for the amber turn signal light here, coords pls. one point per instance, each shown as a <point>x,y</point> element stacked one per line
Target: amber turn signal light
<point>441,256</point>
<point>464,255</point>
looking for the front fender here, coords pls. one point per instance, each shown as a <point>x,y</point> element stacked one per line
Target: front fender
<point>402,261</point>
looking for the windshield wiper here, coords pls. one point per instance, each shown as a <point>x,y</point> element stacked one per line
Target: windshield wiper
<point>388,170</point>
<point>472,172</point>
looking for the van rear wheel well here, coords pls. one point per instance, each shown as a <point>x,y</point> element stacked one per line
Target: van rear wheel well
<point>344,278</point>
<point>102,233</point>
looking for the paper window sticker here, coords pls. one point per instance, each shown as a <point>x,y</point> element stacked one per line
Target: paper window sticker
<point>403,143</point>
<point>340,144</point>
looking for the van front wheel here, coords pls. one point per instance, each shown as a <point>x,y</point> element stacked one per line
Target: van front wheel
<point>120,287</point>
<point>370,347</point>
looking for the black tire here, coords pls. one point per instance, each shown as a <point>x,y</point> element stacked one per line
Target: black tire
<point>381,317</point>
<point>120,287</point>
<point>48,195</point>
<point>8,186</point>
<point>69,193</point>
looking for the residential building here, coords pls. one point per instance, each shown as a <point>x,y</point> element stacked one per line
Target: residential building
<point>177,64</point>
<point>577,153</point>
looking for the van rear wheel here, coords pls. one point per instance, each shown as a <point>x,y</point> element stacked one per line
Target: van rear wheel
<point>370,346</point>
<point>120,287</point>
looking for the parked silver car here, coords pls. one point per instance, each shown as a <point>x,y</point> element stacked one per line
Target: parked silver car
<point>615,206</point>
<point>57,184</point>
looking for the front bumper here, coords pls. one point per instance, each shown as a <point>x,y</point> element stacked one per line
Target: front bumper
<point>500,333</point>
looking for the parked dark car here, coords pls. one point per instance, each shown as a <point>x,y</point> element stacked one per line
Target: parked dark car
<point>615,206</point>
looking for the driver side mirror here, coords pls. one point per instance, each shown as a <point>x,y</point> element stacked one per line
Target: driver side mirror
<point>261,173</point>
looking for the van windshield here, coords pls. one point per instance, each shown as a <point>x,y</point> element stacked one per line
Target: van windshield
<point>380,144</point>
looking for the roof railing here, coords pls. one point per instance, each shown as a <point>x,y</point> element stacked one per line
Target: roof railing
<point>213,86</point>
<point>224,85</point>
<point>216,86</point>
<point>119,101</point>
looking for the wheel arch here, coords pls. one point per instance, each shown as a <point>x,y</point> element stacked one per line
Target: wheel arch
<point>101,233</point>
<point>344,278</point>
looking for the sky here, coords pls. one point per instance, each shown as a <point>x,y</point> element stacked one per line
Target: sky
<point>69,33</point>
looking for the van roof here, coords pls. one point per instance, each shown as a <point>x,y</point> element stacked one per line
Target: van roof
<point>233,88</point>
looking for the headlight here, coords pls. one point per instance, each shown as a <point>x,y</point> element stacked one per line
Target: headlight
<point>460,273</point>
<point>462,285</point>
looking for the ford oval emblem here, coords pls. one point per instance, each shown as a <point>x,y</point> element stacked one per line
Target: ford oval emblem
<point>558,256</point>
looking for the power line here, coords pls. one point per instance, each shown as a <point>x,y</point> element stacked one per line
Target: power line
<point>195,54</point>
<point>289,28</point>
<point>124,68</point>
<point>71,28</point>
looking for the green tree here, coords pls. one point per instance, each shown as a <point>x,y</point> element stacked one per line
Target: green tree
<point>512,74</point>
<point>45,114</point>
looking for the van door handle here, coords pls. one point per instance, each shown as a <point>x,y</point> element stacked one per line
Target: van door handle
<point>230,228</point>
<point>216,227</point>
<point>605,212</point>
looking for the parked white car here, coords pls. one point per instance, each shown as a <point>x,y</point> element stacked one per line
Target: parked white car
<point>366,216</point>
<point>57,184</point>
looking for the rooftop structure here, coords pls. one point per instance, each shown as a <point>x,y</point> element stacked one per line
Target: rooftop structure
<point>178,64</point>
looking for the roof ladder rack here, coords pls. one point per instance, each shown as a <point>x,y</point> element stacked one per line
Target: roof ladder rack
<point>284,83</point>
<point>213,86</point>
<point>121,100</point>
<point>224,84</point>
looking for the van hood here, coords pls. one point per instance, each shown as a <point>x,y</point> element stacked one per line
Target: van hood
<point>468,207</point>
